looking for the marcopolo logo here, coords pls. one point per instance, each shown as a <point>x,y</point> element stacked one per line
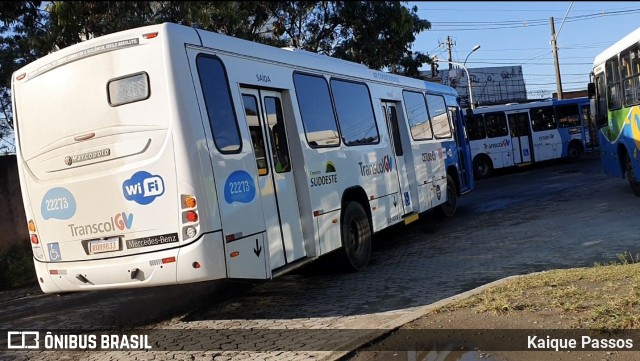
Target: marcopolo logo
<point>143,187</point>
<point>386,165</point>
<point>72,159</point>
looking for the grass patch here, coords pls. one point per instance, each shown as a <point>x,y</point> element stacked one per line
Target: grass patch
<point>16,266</point>
<point>604,297</point>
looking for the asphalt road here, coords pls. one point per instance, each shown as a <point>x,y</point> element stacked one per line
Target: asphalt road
<point>556,215</point>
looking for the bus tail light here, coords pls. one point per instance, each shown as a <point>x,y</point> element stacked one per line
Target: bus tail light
<point>150,35</point>
<point>189,216</point>
<point>32,233</point>
<point>189,201</point>
<point>192,216</point>
<point>191,232</point>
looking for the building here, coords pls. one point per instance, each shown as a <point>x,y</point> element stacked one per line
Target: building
<point>490,85</point>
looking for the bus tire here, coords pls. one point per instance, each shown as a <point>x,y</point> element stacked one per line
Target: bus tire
<point>631,176</point>
<point>448,208</point>
<point>356,236</point>
<point>574,152</point>
<point>482,167</point>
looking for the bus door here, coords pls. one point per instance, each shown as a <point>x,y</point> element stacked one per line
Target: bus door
<point>265,117</point>
<point>462,144</point>
<point>520,137</point>
<point>589,127</point>
<point>390,110</point>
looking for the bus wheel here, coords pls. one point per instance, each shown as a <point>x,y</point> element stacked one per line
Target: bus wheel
<point>448,208</point>
<point>631,177</point>
<point>356,236</point>
<point>482,167</point>
<point>574,152</point>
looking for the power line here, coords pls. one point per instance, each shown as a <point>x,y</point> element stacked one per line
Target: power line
<point>513,24</point>
<point>519,10</point>
<point>512,63</point>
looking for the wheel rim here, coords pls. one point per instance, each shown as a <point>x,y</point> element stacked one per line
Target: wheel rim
<point>482,168</point>
<point>573,152</point>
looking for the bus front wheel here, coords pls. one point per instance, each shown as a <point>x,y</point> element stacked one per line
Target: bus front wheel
<point>356,236</point>
<point>631,177</point>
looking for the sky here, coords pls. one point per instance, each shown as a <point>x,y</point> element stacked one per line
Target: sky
<point>519,33</point>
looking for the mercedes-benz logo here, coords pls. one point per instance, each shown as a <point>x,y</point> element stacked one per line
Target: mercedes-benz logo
<point>68,160</point>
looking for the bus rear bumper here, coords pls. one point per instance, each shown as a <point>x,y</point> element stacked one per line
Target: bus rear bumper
<point>199,261</point>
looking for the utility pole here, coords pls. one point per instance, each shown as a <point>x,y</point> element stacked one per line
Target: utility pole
<point>554,47</point>
<point>449,44</point>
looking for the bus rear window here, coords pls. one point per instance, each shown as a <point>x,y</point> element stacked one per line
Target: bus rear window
<point>128,89</point>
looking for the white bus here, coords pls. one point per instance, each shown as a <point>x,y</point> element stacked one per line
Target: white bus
<point>168,154</point>
<point>521,134</point>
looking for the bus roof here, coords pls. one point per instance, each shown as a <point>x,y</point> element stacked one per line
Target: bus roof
<point>227,44</point>
<point>528,105</point>
<point>440,88</point>
<point>630,39</point>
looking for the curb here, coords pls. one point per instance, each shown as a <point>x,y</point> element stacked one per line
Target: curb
<point>389,327</point>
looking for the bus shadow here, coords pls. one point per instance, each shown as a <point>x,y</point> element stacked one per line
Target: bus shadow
<point>325,289</point>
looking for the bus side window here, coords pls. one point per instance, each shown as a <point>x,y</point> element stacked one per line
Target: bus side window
<point>475,127</point>
<point>635,76</point>
<point>568,115</point>
<point>627,80</point>
<point>496,125</point>
<point>316,110</point>
<point>217,97</point>
<point>542,119</point>
<point>614,99</point>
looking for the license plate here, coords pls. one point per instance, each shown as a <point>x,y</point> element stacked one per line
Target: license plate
<point>104,245</point>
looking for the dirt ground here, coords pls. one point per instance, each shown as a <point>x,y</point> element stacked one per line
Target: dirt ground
<point>600,303</point>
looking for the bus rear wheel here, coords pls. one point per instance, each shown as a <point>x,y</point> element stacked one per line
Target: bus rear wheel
<point>574,152</point>
<point>448,208</point>
<point>482,167</point>
<point>356,236</point>
<point>631,177</point>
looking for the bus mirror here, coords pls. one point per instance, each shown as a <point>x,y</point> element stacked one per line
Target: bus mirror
<point>591,90</point>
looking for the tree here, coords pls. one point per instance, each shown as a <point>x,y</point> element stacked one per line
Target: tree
<point>378,34</point>
<point>22,40</point>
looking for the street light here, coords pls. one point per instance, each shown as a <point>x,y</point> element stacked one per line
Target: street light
<point>472,50</point>
<point>466,71</point>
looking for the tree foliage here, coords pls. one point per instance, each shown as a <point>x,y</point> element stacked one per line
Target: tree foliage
<point>378,34</point>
